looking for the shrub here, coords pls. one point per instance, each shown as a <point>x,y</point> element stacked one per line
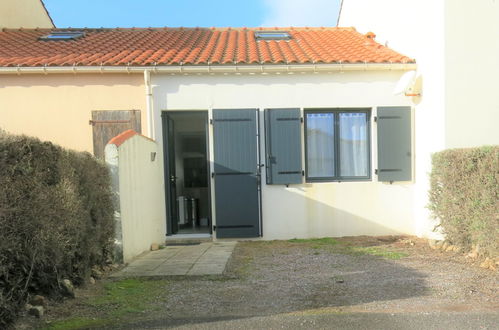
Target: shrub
<point>464,196</point>
<point>56,219</point>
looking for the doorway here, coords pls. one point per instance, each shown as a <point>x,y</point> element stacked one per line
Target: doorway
<point>185,137</point>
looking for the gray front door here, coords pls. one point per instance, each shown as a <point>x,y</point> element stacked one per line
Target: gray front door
<point>236,173</point>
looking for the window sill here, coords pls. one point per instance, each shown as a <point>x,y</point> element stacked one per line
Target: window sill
<point>347,180</point>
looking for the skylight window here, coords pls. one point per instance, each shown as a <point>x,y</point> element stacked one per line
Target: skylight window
<point>63,35</point>
<point>272,35</point>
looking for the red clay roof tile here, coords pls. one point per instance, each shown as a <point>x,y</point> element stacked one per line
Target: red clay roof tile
<point>192,46</point>
<point>125,136</point>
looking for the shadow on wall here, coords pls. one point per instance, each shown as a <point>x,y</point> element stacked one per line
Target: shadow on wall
<point>303,211</point>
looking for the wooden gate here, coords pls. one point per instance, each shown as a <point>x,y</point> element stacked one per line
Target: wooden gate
<point>109,123</point>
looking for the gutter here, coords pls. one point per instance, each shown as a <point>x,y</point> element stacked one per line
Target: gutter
<point>213,69</point>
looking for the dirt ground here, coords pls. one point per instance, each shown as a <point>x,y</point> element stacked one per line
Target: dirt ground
<point>302,277</point>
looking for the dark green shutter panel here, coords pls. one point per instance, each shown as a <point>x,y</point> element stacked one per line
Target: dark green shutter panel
<point>237,181</point>
<point>283,142</point>
<point>394,144</point>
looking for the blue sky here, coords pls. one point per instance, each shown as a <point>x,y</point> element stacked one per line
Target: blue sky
<point>205,13</point>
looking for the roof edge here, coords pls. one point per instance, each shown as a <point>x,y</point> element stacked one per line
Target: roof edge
<point>124,136</point>
<point>186,28</point>
<point>48,14</point>
<point>236,69</point>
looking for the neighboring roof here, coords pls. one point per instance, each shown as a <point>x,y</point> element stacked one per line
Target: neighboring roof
<point>192,46</point>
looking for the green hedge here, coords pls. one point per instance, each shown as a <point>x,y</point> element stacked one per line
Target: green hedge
<point>464,196</point>
<point>56,219</point>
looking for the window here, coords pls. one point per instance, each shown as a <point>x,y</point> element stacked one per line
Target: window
<point>63,35</point>
<point>272,35</point>
<point>337,144</point>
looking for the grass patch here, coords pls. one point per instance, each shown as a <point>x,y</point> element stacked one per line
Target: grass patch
<point>121,299</point>
<point>377,251</point>
<point>78,323</point>
<point>341,247</point>
<point>316,243</point>
<point>243,268</point>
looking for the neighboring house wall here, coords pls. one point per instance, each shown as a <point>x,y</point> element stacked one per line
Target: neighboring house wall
<point>57,107</point>
<point>308,209</point>
<point>471,73</point>
<point>456,47</point>
<point>24,14</point>
<point>137,182</point>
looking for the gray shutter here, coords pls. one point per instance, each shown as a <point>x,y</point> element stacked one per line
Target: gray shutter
<point>237,181</point>
<point>283,144</point>
<point>394,144</point>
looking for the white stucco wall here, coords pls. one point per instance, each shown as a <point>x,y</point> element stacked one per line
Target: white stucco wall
<point>416,29</point>
<point>456,47</point>
<point>471,73</point>
<point>141,194</point>
<point>305,210</point>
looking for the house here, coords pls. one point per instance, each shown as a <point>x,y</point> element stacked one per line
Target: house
<point>29,14</point>
<point>457,50</point>
<point>274,133</point>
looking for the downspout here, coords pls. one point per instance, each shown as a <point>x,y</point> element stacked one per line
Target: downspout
<point>149,107</point>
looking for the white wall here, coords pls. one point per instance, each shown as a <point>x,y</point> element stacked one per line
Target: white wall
<point>141,194</point>
<point>416,29</point>
<point>472,73</point>
<point>305,210</point>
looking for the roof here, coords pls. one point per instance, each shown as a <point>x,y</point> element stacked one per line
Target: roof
<point>192,46</point>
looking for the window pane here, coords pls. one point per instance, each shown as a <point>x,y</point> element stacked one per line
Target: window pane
<point>320,144</point>
<point>353,145</point>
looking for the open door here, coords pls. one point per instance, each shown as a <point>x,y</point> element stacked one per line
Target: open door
<point>236,173</point>
<point>170,174</point>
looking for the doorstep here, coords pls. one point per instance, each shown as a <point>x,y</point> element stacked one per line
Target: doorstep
<point>208,258</point>
<point>180,239</point>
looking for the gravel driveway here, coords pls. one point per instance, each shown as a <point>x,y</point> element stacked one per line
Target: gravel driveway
<point>351,283</point>
<point>305,278</point>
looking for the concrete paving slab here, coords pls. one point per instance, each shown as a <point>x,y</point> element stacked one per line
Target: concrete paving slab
<point>209,258</point>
